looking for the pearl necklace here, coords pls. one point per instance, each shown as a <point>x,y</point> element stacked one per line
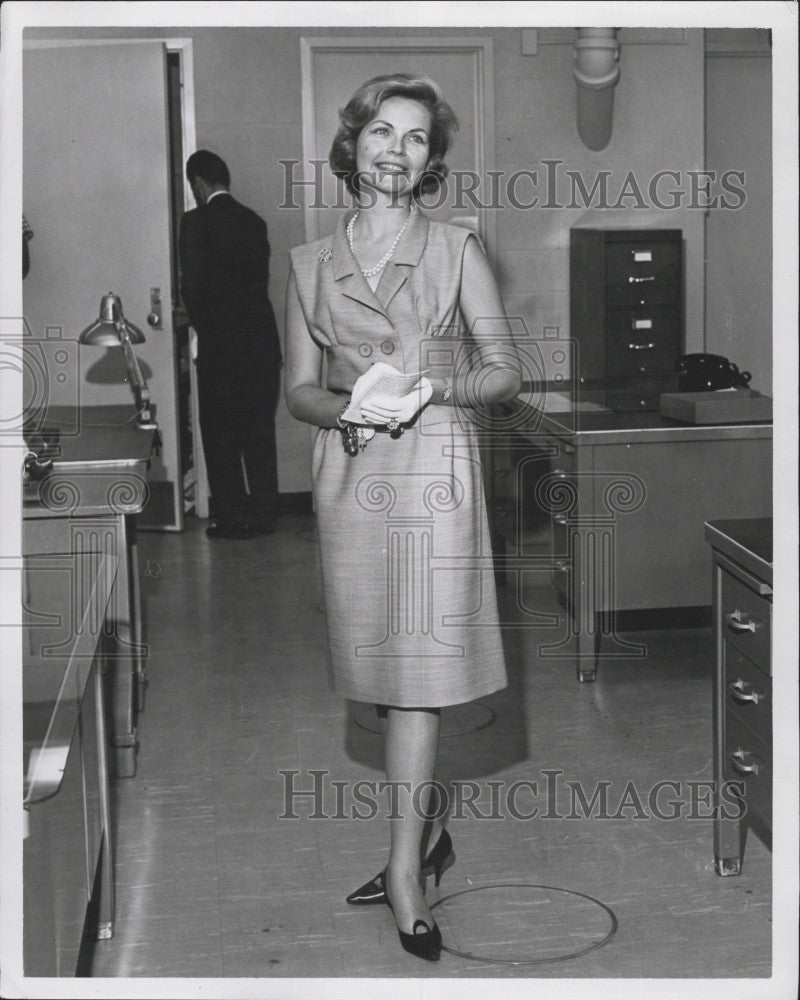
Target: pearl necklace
<point>370,272</point>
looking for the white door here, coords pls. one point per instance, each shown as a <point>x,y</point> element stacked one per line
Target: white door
<point>96,193</point>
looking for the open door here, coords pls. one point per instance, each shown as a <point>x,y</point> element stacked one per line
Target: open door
<point>96,193</point>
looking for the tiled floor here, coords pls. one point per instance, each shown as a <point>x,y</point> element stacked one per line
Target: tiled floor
<point>213,879</point>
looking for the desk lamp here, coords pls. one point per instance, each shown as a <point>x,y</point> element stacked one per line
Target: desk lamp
<point>113,330</point>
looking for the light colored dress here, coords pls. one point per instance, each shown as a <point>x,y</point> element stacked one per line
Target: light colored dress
<point>404,538</point>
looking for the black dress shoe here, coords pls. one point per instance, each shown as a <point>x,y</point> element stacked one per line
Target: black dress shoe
<point>233,529</point>
<point>437,862</point>
<point>425,943</point>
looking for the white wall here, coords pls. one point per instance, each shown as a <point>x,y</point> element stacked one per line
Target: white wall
<point>739,243</point>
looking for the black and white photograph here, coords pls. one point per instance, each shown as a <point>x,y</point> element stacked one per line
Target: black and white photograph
<point>399,525</point>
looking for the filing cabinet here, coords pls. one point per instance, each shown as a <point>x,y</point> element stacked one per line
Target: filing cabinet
<point>743,684</point>
<point>626,311</point>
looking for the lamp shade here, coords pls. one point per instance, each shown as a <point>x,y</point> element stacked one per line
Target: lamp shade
<point>107,330</point>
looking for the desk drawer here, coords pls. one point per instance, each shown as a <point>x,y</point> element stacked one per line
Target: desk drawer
<point>749,759</point>
<point>748,693</point>
<point>746,620</point>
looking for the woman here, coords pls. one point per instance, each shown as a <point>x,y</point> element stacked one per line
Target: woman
<point>397,488</point>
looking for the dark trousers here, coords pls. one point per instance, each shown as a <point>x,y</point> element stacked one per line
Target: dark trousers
<point>240,448</point>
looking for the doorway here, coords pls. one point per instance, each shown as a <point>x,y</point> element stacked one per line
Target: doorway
<point>180,118</point>
<point>98,180</point>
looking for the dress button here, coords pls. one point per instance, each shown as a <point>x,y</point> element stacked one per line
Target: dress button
<point>365,350</point>
<point>388,347</point>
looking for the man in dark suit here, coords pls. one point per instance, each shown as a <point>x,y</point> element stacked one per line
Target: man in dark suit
<point>224,255</point>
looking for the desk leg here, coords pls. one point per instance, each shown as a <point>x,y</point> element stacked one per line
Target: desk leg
<point>136,613</point>
<point>590,586</point>
<point>105,926</point>
<point>587,654</point>
<point>727,828</point>
<point>124,659</point>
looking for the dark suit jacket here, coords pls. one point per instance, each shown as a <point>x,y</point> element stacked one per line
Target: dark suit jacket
<point>224,254</point>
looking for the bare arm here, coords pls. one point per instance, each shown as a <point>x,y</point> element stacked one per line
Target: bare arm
<point>498,378</point>
<point>306,400</point>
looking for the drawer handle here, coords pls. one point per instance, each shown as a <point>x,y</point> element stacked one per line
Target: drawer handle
<point>638,281</point>
<point>642,347</point>
<point>745,762</point>
<point>559,566</point>
<point>742,693</point>
<point>560,519</point>
<point>740,621</point>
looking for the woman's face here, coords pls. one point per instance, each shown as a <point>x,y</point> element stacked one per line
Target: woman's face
<point>393,149</point>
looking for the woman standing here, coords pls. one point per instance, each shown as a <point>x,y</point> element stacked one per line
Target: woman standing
<point>397,489</point>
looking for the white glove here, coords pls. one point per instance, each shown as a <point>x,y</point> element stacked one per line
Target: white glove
<point>382,408</point>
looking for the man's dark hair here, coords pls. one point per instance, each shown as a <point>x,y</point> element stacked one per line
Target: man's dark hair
<point>209,166</point>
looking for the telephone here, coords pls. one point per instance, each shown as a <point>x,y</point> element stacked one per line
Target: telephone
<point>705,372</point>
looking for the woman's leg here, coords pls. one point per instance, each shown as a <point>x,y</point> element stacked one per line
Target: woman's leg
<point>412,740</point>
<point>435,826</point>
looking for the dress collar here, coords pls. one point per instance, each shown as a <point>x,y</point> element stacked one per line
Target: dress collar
<point>409,250</point>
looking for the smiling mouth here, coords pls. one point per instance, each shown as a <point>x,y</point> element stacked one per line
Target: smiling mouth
<point>390,168</point>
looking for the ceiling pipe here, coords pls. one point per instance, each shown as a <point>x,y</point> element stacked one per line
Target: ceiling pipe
<point>596,71</point>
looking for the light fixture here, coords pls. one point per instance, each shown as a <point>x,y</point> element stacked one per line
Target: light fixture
<point>113,330</point>
<point>596,72</point>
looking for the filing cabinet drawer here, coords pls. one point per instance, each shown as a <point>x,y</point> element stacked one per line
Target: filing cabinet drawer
<point>748,693</point>
<point>640,359</point>
<point>642,264</point>
<point>749,759</point>
<point>630,296</point>
<point>746,620</point>
<point>638,326</point>
<point>639,393</point>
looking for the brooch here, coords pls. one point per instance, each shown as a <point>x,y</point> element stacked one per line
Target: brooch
<point>325,255</point>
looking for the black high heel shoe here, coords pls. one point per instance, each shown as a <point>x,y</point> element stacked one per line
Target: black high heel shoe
<point>427,944</point>
<point>440,858</point>
<point>437,862</point>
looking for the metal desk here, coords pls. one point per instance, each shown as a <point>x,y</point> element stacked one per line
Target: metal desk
<point>88,502</point>
<point>627,496</point>
<point>742,572</point>
<point>67,853</point>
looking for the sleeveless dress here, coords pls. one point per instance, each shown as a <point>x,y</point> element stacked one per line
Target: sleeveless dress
<point>404,539</point>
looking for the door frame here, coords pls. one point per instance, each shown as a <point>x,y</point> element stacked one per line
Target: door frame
<point>482,52</point>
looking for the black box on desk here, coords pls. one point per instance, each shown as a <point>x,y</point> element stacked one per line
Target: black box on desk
<point>734,406</point>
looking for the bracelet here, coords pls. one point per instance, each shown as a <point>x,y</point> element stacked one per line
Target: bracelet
<point>341,424</point>
<point>447,392</point>
<point>352,438</point>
